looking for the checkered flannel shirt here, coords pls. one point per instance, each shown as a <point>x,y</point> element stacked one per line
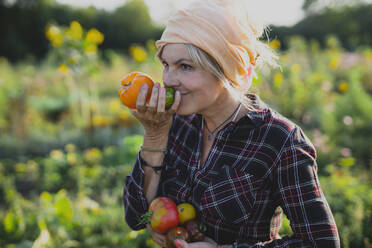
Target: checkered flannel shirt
<point>258,167</point>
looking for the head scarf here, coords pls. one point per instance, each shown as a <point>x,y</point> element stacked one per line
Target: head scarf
<point>219,27</point>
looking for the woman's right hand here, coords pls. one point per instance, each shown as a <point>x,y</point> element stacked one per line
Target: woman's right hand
<point>154,118</point>
<point>157,237</point>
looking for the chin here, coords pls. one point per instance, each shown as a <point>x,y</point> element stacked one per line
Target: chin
<point>184,110</point>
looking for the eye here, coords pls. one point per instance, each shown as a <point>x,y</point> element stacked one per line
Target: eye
<point>165,65</point>
<point>186,67</point>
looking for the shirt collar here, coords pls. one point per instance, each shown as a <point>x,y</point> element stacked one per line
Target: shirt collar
<point>255,117</point>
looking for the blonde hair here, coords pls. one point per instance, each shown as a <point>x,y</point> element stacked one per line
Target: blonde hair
<point>206,62</point>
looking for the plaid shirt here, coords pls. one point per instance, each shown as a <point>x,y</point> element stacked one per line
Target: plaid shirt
<point>258,167</point>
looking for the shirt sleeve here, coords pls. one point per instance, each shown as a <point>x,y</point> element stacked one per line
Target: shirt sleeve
<point>135,203</point>
<point>298,192</point>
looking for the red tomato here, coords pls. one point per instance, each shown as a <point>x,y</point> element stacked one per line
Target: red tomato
<point>164,214</point>
<point>176,233</point>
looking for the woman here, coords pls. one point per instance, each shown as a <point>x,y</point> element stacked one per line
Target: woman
<point>237,161</point>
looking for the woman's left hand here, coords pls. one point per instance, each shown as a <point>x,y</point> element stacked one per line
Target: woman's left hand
<point>207,243</point>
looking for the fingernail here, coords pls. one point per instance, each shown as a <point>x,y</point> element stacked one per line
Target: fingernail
<point>178,243</point>
<point>162,90</point>
<point>144,86</point>
<point>157,84</point>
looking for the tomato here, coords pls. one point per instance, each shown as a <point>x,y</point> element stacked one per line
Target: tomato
<point>162,214</point>
<point>193,227</point>
<point>130,87</point>
<point>176,233</point>
<point>186,211</point>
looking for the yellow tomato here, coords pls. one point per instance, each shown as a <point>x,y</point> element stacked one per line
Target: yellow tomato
<point>186,212</point>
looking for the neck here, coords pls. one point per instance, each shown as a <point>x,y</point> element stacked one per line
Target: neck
<point>220,111</point>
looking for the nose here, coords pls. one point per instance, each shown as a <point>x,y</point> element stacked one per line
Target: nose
<point>170,79</point>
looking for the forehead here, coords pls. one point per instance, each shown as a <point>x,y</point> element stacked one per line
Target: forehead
<point>175,51</point>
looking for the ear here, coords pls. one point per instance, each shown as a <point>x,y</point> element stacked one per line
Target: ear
<point>249,75</point>
<point>248,78</point>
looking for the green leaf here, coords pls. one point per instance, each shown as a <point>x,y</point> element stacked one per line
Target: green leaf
<point>10,222</point>
<point>347,162</point>
<point>145,218</point>
<point>64,208</point>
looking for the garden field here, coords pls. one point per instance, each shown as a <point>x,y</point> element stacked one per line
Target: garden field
<point>67,143</point>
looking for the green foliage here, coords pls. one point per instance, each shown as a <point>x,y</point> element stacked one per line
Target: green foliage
<point>62,173</point>
<point>349,196</point>
<point>74,200</point>
<point>350,23</point>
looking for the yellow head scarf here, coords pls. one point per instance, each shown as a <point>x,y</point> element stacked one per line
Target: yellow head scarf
<point>222,29</point>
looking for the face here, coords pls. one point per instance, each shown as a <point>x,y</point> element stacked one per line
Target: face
<point>200,90</point>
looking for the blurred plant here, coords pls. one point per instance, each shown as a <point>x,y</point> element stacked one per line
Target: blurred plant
<point>74,48</point>
<point>347,195</point>
<point>275,44</point>
<point>138,53</point>
<point>75,51</point>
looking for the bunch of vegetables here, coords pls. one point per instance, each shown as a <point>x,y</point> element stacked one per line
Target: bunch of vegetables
<point>177,222</point>
<point>131,85</point>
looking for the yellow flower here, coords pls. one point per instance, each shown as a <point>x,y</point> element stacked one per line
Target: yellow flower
<point>275,44</point>
<point>93,155</point>
<point>56,154</point>
<point>71,158</point>
<point>295,68</point>
<point>343,87</point>
<point>72,60</point>
<point>75,31</point>
<point>101,121</point>
<point>54,35</point>
<point>138,53</point>
<point>94,36</point>
<point>63,69</point>
<point>20,167</point>
<point>124,114</point>
<point>114,106</point>
<point>132,234</point>
<point>91,49</point>
<point>70,147</point>
<point>333,64</point>
<point>278,79</point>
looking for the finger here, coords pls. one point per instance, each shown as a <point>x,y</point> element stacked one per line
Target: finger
<point>159,242</point>
<point>208,239</point>
<point>141,99</point>
<point>155,235</point>
<point>176,103</point>
<point>152,107</point>
<point>161,101</point>
<point>179,243</point>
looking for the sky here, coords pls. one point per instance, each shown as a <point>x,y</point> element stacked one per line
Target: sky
<point>284,12</point>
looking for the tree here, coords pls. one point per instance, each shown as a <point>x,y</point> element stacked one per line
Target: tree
<point>24,32</point>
